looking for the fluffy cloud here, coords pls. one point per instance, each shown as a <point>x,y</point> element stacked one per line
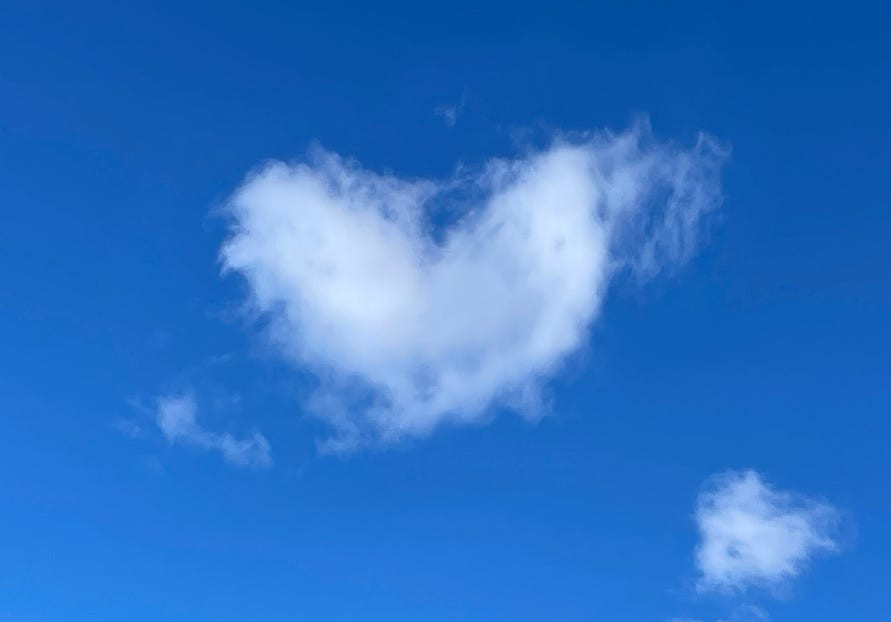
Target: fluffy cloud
<point>410,322</point>
<point>177,418</point>
<point>754,535</point>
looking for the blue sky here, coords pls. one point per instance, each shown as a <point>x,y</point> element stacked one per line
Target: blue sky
<point>354,385</point>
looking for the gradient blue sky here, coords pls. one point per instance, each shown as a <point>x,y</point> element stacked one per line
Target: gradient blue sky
<point>125,126</point>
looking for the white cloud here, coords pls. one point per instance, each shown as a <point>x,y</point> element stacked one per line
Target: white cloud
<point>754,535</point>
<point>410,323</point>
<point>177,419</point>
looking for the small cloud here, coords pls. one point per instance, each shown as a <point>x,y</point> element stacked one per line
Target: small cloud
<point>176,417</point>
<point>129,428</point>
<point>755,535</point>
<point>742,613</point>
<point>450,114</point>
<point>747,613</point>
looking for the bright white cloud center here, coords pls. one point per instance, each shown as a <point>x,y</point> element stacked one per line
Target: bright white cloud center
<point>754,535</point>
<point>420,325</point>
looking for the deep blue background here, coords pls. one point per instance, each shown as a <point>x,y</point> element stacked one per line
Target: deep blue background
<point>123,125</point>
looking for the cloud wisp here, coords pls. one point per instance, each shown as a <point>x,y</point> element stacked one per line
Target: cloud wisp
<point>741,613</point>
<point>753,535</point>
<point>177,418</point>
<point>450,114</point>
<point>410,323</point>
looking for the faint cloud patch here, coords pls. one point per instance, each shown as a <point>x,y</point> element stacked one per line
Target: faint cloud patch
<point>742,613</point>
<point>450,114</point>
<point>130,428</point>
<point>747,613</point>
<point>177,418</point>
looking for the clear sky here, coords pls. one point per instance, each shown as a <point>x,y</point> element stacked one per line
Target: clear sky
<point>572,312</point>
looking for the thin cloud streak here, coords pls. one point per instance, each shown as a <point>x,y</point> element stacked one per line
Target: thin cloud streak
<point>177,418</point>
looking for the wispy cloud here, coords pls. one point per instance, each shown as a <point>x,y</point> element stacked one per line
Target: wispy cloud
<point>129,428</point>
<point>450,114</point>
<point>410,324</point>
<point>742,613</point>
<point>754,535</point>
<point>747,613</point>
<point>177,419</point>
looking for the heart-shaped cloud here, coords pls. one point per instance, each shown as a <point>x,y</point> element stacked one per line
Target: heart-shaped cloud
<point>410,322</point>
